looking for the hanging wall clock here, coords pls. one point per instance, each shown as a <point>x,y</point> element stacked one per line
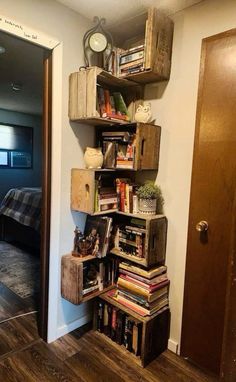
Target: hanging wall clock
<point>98,42</point>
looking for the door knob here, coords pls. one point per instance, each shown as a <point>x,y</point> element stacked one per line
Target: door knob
<point>202,226</point>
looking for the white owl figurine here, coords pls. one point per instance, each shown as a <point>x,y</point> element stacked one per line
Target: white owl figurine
<point>143,113</point>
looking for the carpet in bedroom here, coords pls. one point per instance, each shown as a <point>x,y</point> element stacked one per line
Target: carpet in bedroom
<point>19,270</point>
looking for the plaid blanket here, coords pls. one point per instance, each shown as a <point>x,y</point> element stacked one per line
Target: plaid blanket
<point>23,205</point>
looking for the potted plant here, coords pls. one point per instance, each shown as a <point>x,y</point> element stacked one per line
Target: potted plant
<point>150,198</point>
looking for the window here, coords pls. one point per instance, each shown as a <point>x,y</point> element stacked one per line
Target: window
<point>4,159</point>
<point>16,146</point>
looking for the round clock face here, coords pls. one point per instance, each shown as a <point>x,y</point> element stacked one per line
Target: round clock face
<point>98,42</point>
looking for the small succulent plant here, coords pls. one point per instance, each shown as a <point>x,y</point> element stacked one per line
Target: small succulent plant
<point>151,191</point>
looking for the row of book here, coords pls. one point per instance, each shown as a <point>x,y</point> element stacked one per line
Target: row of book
<point>120,327</point>
<point>99,274</point>
<point>111,105</point>
<point>115,194</point>
<point>131,240</point>
<point>143,291</point>
<point>126,195</point>
<point>122,197</point>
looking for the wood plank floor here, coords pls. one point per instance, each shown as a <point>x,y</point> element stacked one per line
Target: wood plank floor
<point>12,305</point>
<point>80,356</point>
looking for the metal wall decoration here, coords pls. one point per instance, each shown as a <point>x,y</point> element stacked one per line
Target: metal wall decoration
<point>98,45</point>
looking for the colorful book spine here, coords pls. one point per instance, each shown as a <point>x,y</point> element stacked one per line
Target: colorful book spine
<point>113,324</point>
<point>107,101</point>
<point>101,100</point>
<point>100,317</point>
<point>129,57</point>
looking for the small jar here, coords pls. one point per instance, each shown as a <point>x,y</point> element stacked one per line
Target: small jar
<point>93,157</point>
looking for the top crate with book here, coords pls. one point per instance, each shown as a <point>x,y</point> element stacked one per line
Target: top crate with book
<point>143,47</point>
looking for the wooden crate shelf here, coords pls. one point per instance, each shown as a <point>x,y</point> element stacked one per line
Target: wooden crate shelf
<point>83,106</point>
<point>141,216</point>
<point>97,121</point>
<point>155,30</point>
<point>155,332</point>
<point>155,240</point>
<point>72,279</point>
<point>147,135</point>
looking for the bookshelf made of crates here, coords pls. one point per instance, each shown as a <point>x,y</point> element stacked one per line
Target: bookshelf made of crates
<point>134,239</point>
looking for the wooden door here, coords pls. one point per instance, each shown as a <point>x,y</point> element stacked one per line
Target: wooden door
<point>208,318</point>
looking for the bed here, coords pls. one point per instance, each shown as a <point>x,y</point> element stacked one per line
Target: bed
<point>20,213</point>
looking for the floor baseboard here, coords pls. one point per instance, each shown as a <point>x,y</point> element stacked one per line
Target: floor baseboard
<point>65,329</point>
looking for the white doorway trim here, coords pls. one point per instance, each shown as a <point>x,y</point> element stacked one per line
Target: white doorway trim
<point>9,25</point>
<point>24,32</point>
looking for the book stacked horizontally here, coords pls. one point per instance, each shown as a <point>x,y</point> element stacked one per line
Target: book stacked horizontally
<point>131,61</point>
<point>105,195</point>
<point>143,291</point>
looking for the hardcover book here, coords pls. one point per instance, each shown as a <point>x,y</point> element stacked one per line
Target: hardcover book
<point>98,228</point>
<point>149,274</point>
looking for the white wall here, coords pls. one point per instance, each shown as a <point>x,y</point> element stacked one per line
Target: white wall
<point>67,27</point>
<point>174,106</point>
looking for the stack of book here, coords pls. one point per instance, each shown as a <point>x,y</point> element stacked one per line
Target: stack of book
<point>111,105</point>
<point>131,61</point>
<point>105,196</point>
<point>120,327</point>
<point>107,199</point>
<point>143,291</point>
<point>98,275</point>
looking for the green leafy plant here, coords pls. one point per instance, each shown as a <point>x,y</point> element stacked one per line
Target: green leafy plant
<point>151,191</point>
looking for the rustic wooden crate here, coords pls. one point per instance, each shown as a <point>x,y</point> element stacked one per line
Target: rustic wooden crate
<point>83,189</point>
<point>147,148</point>
<point>155,30</point>
<point>155,332</point>
<point>72,279</point>
<point>83,94</point>
<point>155,243</point>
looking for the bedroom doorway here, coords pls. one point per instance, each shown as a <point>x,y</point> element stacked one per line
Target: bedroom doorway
<point>25,154</point>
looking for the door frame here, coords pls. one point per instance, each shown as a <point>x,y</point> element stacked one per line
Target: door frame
<point>51,126</point>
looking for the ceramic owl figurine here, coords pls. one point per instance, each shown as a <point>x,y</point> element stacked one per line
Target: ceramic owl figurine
<point>143,113</point>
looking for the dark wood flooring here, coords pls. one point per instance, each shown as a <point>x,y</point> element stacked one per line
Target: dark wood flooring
<point>80,357</point>
<point>12,305</point>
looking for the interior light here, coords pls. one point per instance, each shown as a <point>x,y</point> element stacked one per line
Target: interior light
<point>2,50</point>
<point>16,87</point>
